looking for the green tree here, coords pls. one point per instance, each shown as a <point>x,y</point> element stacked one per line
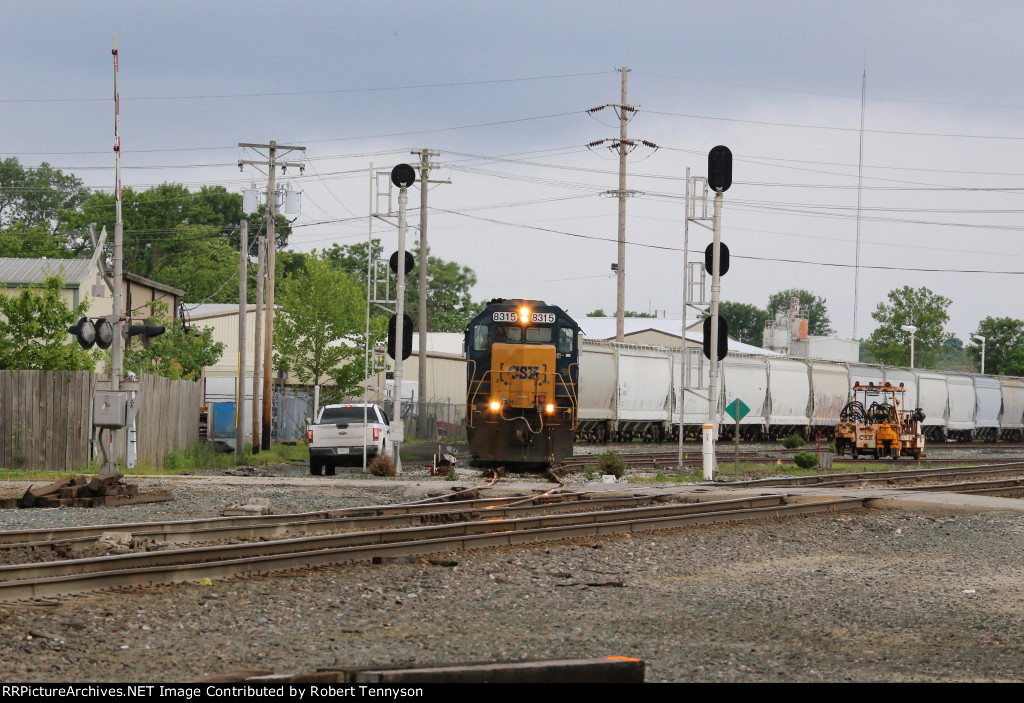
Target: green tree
<point>746,322</point>
<point>449,305</point>
<point>34,331</point>
<point>205,268</point>
<point>1004,346</point>
<point>168,222</point>
<point>319,333</point>
<point>37,197</point>
<point>812,306</point>
<point>906,306</point>
<point>177,353</point>
<point>22,241</point>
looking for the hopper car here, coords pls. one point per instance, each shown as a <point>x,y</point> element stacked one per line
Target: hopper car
<point>535,385</point>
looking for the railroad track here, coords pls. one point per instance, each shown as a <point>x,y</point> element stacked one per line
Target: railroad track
<point>659,460</point>
<point>894,478</point>
<point>527,524</point>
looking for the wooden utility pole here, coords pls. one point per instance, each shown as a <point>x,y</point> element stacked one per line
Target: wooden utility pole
<point>256,366</point>
<point>271,163</point>
<point>243,270</point>
<point>425,155</point>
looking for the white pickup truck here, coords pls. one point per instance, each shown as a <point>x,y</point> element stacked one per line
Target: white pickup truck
<point>339,436</point>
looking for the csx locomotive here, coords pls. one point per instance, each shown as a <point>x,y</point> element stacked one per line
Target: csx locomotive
<point>522,376</point>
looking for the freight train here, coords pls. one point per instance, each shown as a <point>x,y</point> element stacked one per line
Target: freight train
<point>535,385</point>
<point>522,379</point>
<point>630,391</point>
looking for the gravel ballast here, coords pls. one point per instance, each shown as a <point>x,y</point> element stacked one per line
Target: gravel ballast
<point>871,595</point>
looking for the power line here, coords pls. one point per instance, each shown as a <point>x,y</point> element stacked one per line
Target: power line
<point>338,91</point>
<point>736,256</point>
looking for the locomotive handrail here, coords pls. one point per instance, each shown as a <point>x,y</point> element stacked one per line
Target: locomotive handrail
<point>554,377</point>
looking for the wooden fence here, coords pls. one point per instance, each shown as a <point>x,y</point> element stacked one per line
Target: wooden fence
<point>46,419</point>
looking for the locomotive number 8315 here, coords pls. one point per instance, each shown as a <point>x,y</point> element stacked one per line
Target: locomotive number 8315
<point>522,375</point>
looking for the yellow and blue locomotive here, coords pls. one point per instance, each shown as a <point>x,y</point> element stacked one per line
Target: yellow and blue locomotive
<point>522,379</point>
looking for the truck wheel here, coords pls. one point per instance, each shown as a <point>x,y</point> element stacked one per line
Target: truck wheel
<point>316,466</point>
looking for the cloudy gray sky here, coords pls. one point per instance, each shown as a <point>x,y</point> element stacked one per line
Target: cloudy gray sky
<point>502,90</point>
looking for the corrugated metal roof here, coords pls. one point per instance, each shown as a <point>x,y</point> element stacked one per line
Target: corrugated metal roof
<point>604,328</point>
<point>36,271</point>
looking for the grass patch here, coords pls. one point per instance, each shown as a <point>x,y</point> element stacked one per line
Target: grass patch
<point>200,456</point>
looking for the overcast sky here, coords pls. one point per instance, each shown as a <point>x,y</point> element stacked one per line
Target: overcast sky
<point>502,91</point>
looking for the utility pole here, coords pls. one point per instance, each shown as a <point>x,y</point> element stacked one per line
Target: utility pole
<point>623,145</point>
<point>425,155</point>
<point>243,266</point>
<point>271,163</point>
<point>620,287</point>
<point>261,272</point>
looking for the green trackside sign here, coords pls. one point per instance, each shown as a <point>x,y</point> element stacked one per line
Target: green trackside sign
<point>737,410</point>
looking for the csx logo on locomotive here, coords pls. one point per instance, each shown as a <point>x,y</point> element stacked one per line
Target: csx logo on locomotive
<point>526,373</point>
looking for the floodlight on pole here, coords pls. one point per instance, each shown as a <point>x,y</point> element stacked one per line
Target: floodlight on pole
<point>980,338</point>
<point>912,330</point>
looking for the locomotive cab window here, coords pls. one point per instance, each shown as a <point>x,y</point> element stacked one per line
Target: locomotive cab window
<point>507,333</point>
<point>565,339</point>
<point>480,335</point>
<point>538,335</point>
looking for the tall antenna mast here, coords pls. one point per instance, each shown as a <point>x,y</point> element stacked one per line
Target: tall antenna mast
<point>860,181</point>
<point>117,354</point>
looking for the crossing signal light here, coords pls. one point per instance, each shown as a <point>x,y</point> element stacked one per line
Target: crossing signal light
<point>104,333</point>
<point>723,337</point>
<point>89,333</point>
<point>406,336</point>
<point>720,169</point>
<point>85,331</point>
<point>146,331</point>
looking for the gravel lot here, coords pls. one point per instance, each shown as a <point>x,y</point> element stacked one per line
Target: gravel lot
<point>876,595</point>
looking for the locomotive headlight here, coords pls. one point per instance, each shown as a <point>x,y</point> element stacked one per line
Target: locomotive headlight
<point>495,405</point>
<point>524,314</point>
<point>549,408</point>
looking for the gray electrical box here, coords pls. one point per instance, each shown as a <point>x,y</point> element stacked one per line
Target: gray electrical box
<point>109,409</point>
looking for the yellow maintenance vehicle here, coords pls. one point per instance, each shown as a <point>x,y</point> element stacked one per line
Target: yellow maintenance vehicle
<point>875,422</point>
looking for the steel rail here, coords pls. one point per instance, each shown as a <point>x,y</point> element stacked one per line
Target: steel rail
<point>18,537</point>
<point>871,476</point>
<point>54,579</point>
<point>313,542</point>
<point>180,533</point>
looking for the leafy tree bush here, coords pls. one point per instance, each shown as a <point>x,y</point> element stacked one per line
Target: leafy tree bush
<point>793,441</point>
<point>806,460</point>
<point>177,353</point>
<point>611,463</point>
<point>34,331</point>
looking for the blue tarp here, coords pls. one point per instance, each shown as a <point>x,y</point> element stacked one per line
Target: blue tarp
<point>223,421</point>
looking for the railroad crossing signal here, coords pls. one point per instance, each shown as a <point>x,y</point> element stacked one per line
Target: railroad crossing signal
<point>737,410</point>
<point>146,331</point>
<point>88,333</point>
